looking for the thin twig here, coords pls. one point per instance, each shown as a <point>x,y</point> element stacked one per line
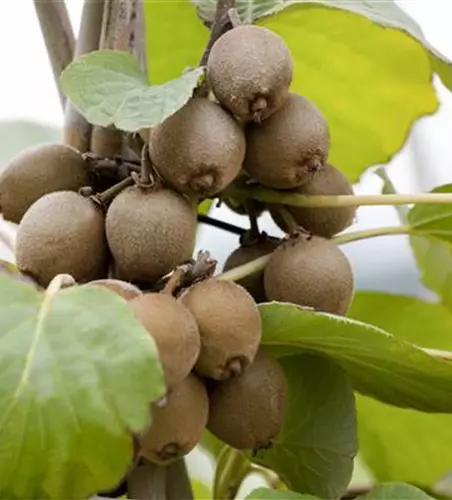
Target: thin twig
<point>77,131</point>
<point>231,228</point>
<point>58,37</point>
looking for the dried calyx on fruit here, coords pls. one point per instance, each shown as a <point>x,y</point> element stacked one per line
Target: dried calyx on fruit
<point>250,70</point>
<point>229,324</point>
<point>38,171</point>
<point>122,288</point>
<point>150,232</point>
<point>177,425</point>
<point>310,271</point>
<point>249,411</point>
<point>287,149</point>
<point>322,221</point>
<point>252,248</point>
<point>174,331</point>
<point>62,233</point>
<point>198,150</point>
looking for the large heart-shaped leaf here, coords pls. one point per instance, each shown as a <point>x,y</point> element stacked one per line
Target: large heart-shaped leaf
<point>268,494</point>
<point>396,491</point>
<point>108,88</point>
<point>78,375</point>
<point>365,64</point>
<point>379,365</point>
<point>433,252</point>
<point>415,445</point>
<point>314,452</point>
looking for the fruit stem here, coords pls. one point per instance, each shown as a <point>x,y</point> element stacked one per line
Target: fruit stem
<point>231,228</point>
<point>287,218</point>
<point>259,264</point>
<point>108,195</point>
<point>146,177</point>
<point>232,469</point>
<point>266,195</point>
<point>254,226</point>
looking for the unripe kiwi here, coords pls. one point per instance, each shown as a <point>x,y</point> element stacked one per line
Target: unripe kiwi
<point>198,150</point>
<point>246,252</point>
<point>322,221</point>
<point>310,271</point>
<point>124,289</point>
<point>174,330</point>
<point>287,149</point>
<point>229,324</point>
<point>250,70</point>
<point>62,233</point>
<point>249,411</point>
<point>150,232</point>
<point>178,425</point>
<point>38,171</point>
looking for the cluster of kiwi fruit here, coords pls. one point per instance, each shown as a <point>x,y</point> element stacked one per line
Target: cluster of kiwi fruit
<point>249,128</point>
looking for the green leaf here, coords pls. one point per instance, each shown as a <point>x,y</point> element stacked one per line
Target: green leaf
<point>433,252</point>
<point>11,270</point>
<point>404,445</point>
<point>78,375</point>
<point>268,494</point>
<point>107,87</point>
<point>175,38</point>
<point>379,365</point>
<point>365,64</point>
<point>396,491</point>
<point>314,452</point>
<point>16,136</point>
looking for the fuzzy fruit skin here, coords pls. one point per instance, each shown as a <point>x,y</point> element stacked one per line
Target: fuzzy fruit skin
<point>62,233</point>
<point>174,330</point>
<point>150,232</point>
<point>311,272</point>
<point>253,283</point>
<point>38,171</point>
<point>287,149</point>
<point>178,425</point>
<point>122,288</point>
<point>229,324</point>
<point>199,150</point>
<point>249,66</point>
<point>249,411</point>
<point>321,221</point>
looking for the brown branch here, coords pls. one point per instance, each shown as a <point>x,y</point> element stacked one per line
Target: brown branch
<point>77,131</point>
<point>58,37</point>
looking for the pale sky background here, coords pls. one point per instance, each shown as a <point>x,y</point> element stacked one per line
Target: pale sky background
<point>28,92</point>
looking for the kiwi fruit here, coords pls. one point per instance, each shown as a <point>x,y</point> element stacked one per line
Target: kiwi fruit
<point>62,233</point>
<point>240,209</point>
<point>250,70</point>
<point>174,330</point>
<point>249,411</point>
<point>122,288</point>
<point>322,221</point>
<point>287,149</point>
<point>229,324</point>
<point>177,426</point>
<point>150,232</point>
<point>246,252</point>
<point>199,150</point>
<point>38,171</point>
<point>310,271</point>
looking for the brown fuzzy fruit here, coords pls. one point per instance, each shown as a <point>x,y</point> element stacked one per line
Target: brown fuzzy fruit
<point>124,289</point>
<point>62,233</point>
<point>250,70</point>
<point>198,150</point>
<point>230,327</point>
<point>310,271</point>
<point>38,171</point>
<point>287,149</point>
<point>321,221</point>
<point>174,331</point>
<point>253,283</point>
<point>249,411</point>
<point>150,232</point>
<point>177,426</point>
